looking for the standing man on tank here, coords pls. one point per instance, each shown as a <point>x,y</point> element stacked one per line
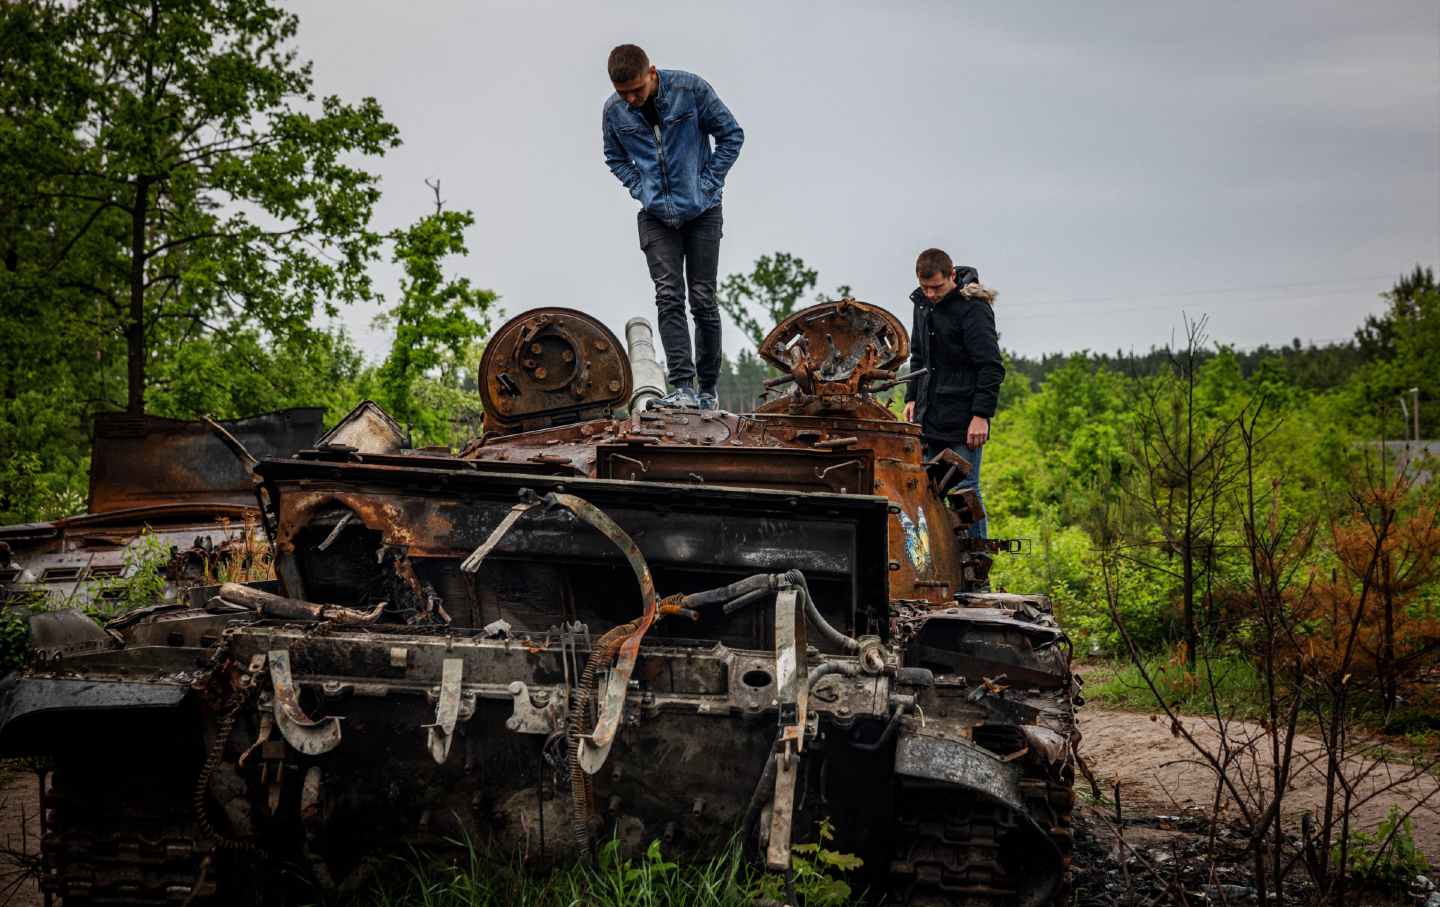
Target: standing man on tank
<point>657,129</point>
<point>954,337</point>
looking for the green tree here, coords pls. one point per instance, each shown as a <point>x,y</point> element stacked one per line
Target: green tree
<point>769,294</point>
<point>181,175</point>
<point>434,321</point>
<point>1401,345</point>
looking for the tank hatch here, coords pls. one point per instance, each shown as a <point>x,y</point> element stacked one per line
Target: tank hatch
<point>549,367</point>
<point>837,348</point>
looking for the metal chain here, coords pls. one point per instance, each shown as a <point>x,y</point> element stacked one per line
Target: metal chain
<point>217,752</point>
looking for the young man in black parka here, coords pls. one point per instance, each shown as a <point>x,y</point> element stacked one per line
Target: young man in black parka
<point>954,337</point>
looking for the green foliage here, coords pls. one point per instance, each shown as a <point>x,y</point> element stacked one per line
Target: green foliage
<point>142,582</point>
<point>435,317</point>
<point>188,178</point>
<point>770,293</point>
<point>1229,681</point>
<point>813,873</point>
<point>177,210</point>
<point>1388,858</point>
<point>14,640</point>
<point>1402,342</point>
<point>485,880</point>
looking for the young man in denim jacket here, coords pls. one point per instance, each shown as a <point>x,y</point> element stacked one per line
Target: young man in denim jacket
<point>657,129</point>
<point>954,337</point>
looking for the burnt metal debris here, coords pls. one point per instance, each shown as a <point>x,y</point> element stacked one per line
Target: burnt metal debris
<point>667,624</point>
<point>188,485</point>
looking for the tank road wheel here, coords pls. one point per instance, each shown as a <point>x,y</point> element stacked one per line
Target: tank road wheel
<point>947,851</point>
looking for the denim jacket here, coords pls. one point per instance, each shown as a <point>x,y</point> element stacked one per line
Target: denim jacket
<point>672,170</point>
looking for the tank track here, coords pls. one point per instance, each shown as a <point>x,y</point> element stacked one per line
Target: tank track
<point>949,850</point>
<point>122,836</point>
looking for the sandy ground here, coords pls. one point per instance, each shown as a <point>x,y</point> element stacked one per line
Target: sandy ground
<point>1160,773</point>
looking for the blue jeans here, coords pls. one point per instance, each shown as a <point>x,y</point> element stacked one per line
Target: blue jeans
<point>981,529</point>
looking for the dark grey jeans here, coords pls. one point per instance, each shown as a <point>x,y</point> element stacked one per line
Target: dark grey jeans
<point>687,256</point>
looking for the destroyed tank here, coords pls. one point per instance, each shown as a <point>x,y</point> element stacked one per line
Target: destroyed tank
<point>670,625</point>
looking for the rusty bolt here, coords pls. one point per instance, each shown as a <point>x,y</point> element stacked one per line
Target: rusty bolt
<point>540,373</point>
<point>614,387</point>
<point>601,346</point>
<point>535,347</point>
<point>567,356</point>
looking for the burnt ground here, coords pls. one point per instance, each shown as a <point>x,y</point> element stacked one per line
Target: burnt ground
<point>1160,847</point>
<point>1161,844</point>
<point>19,836</point>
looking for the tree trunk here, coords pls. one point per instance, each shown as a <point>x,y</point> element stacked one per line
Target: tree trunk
<point>135,329</point>
<point>1389,682</point>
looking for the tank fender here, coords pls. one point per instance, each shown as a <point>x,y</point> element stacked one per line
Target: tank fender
<point>957,761</point>
<point>28,701</point>
<point>55,635</point>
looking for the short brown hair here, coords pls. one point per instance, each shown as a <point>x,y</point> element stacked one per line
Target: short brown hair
<point>627,63</point>
<point>932,262</point>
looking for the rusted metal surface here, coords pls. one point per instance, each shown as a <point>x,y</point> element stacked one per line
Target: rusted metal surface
<point>551,365</point>
<point>147,461</point>
<point>188,485</point>
<point>279,606</point>
<point>837,350</point>
<point>313,738</point>
<point>366,429</point>
<point>590,625</point>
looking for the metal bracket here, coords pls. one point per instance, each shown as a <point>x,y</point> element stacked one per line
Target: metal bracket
<point>595,749</point>
<point>529,718</point>
<point>313,738</point>
<point>792,694</point>
<point>447,709</point>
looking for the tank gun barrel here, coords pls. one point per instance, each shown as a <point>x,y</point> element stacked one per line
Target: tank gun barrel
<point>648,379</point>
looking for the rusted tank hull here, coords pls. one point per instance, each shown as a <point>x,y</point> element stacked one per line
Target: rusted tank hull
<point>673,625</point>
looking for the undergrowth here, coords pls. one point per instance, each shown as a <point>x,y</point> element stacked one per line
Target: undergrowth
<point>1388,859</point>
<point>1232,681</point>
<point>727,879</point>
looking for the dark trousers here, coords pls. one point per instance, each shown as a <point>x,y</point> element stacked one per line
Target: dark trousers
<point>687,256</point>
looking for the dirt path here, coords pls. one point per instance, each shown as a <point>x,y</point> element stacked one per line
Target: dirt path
<point>19,834</point>
<point>1159,772</point>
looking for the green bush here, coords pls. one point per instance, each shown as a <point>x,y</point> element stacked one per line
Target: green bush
<point>1392,868</point>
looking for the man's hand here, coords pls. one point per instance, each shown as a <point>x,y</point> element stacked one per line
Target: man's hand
<point>978,433</point>
<point>910,411</point>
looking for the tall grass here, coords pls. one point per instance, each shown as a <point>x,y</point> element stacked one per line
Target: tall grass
<point>1236,684</point>
<point>479,879</point>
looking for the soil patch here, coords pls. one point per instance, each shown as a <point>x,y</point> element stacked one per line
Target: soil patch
<point>1160,773</point>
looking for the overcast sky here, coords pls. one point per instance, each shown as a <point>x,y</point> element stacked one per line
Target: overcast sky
<point>1104,165</point>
